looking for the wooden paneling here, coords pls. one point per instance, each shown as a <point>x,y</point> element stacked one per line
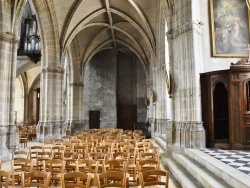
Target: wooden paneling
<point>224,111</point>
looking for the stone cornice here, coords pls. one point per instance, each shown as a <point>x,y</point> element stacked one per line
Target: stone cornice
<point>78,84</point>
<point>50,70</point>
<point>190,26</point>
<point>9,37</point>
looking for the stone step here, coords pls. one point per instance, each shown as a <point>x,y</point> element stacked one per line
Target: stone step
<point>205,177</point>
<point>184,178</point>
<point>194,167</point>
<point>230,175</point>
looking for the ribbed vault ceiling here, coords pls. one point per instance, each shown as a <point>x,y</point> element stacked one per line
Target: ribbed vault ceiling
<point>90,26</point>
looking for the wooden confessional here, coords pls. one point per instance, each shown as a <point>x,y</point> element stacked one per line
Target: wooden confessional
<point>226,107</point>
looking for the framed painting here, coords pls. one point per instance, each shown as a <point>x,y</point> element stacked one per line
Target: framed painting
<point>229,28</point>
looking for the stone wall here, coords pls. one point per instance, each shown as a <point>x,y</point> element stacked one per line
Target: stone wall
<point>100,87</point>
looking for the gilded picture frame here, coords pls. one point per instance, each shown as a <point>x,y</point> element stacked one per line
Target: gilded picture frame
<point>229,28</point>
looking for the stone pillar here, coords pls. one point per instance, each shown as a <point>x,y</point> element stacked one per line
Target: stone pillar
<point>9,140</point>
<point>51,123</point>
<point>185,36</point>
<point>26,109</point>
<point>74,120</point>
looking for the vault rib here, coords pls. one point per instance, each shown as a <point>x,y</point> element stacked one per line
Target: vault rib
<point>107,5</point>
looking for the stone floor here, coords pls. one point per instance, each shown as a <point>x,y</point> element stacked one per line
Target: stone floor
<point>239,160</point>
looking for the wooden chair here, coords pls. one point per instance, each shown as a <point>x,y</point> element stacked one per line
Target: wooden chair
<point>153,178</point>
<point>32,151</point>
<point>41,157</point>
<point>110,179</point>
<point>56,168</point>
<point>23,139</point>
<point>17,167</point>
<point>4,179</point>
<point>35,179</point>
<point>75,179</point>
<point>70,159</point>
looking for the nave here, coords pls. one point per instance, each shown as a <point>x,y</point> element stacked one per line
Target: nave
<point>75,141</point>
<point>234,165</point>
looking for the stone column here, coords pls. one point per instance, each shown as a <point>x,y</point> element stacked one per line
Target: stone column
<point>26,109</point>
<point>51,123</point>
<point>9,140</point>
<point>185,36</point>
<point>74,120</point>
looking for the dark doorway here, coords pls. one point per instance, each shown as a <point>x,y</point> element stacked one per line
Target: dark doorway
<point>126,116</point>
<point>221,114</point>
<point>94,119</point>
<point>37,104</point>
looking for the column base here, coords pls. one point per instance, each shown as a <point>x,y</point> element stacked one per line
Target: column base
<point>188,134</point>
<point>9,141</point>
<point>48,131</point>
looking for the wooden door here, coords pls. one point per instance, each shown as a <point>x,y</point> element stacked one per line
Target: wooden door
<point>126,116</point>
<point>94,119</point>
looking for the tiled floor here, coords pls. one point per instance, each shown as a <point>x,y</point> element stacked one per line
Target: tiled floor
<point>240,160</point>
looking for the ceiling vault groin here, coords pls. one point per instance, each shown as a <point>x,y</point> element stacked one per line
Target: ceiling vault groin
<point>105,25</point>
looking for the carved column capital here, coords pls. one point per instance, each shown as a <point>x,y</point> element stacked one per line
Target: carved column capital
<point>9,37</point>
<point>53,70</point>
<point>77,84</point>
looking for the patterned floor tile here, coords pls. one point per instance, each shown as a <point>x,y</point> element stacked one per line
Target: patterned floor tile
<point>237,159</point>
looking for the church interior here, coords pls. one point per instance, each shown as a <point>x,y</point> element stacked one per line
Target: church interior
<point>173,73</point>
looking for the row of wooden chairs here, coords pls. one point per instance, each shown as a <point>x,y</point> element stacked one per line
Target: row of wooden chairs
<point>100,156</point>
<point>111,174</point>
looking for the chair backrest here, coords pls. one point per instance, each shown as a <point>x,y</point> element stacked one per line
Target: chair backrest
<point>75,179</point>
<point>20,165</point>
<point>33,150</point>
<point>35,179</point>
<point>114,165</point>
<point>154,177</point>
<point>124,156</point>
<point>148,155</point>
<point>81,150</point>
<point>147,164</point>
<point>58,142</point>
<point>4,179</point>
<point>110,179</point>
<point>87,166</point>
<point>97,156</point>
<point>20,154</point>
